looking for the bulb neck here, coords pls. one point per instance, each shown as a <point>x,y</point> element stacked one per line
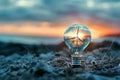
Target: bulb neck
<point>76,59</point>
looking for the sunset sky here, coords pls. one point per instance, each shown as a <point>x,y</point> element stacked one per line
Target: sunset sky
<point>52,17</point>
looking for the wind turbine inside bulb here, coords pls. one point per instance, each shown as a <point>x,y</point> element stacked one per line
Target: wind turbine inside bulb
<point>77,37</point>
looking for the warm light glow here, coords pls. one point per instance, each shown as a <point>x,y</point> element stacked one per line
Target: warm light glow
<point>28,29</point>
<point>45,29</point>
<point>81,35</point>
<point>74,41</point>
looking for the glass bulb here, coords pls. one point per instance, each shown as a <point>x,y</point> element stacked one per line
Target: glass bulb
<point>77,37</point>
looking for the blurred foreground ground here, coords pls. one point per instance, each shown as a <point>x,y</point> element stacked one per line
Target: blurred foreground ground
<point>52,62</point>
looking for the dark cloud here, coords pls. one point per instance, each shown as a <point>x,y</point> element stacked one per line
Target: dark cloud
<point>59,10</point>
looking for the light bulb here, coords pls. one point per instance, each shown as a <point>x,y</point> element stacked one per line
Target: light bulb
<point>77,37</point>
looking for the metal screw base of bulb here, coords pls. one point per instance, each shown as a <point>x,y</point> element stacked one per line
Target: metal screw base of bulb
<point>76,60</point>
